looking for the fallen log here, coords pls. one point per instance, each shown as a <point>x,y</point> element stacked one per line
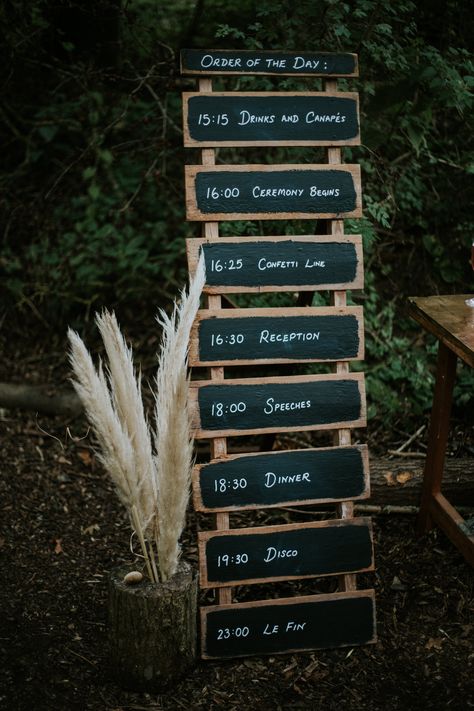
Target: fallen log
<point>42,399</point>
<point>397,481</point>
<point>394,482</point>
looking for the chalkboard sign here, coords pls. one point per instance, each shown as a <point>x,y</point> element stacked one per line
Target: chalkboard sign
<point>212,61</point>
<point>270,119</point>
<point>223,407</point>
<point>276,335</point>
<point>270,553</point>
<point>246,264</point>
<point>302,402</point>
<point>264,192</point>
<point>307,476</point>
<point>288,624</point>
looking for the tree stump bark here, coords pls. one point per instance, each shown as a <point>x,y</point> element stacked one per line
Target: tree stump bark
<point>152,629</point>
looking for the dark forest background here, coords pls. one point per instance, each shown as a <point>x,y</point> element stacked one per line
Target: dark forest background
<point>91,172</point>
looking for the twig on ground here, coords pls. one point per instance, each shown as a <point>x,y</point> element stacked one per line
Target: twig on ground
<point>93,664</point>
<point>410,440</point>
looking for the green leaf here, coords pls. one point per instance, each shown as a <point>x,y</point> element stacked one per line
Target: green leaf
<point>106,156</point>
<point>416,137</point>
<point>89,172</point>
<point>93,191</point>
<point>48,132</point>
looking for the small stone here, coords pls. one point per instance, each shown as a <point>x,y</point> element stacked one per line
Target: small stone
<point>397,585</point>
<point>133,577</point>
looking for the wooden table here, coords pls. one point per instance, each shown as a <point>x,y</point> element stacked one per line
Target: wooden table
<point>452,322</point>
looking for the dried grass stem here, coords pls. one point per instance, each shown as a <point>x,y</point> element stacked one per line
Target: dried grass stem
<point>151,469</point>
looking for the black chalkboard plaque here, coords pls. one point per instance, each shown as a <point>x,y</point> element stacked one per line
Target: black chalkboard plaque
<point>269,192</point>
<point>277,335</point>
<point>271,553</point>
<point>288,624</point>
<point>212,61</point>
<point>260,119</point>
<point>282,478</point>
<point>271,264</point>
<point>277,404</point>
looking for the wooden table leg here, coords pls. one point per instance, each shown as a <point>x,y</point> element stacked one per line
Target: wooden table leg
<point>438,434</point>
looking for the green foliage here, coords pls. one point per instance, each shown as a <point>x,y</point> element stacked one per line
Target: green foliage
<point>92,166</point>
<point>94,208</point>
<point>417,163</point>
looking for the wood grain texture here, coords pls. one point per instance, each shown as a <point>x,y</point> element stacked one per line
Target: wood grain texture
<point>288,477</point>
<point>209,62</point>
<point>453,525</point>
<point>354,621</point>
<point>270,119</point>
<point>339,298</point>
<point>342,256</point>
<point>331,333</point>
<point>152,629</point>
<point>255,394</point>
<point>438,432</point>
<point>398,481</point>
<point>210,230</point>
<point>250,198</point>
<point>302,623</point>
<point>449,319</point>
<point>285,552</point>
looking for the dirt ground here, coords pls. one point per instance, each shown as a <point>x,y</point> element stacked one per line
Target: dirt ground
<point>62,529</point>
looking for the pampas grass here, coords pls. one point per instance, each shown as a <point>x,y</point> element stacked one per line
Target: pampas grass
<point>151,469</point>
<point>173,441</point>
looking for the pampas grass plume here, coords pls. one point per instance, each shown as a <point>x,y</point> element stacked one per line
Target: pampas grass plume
<point>151,472</point>
<point>173,439</point>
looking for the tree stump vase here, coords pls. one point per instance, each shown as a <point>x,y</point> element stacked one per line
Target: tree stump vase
<point>152,629</point>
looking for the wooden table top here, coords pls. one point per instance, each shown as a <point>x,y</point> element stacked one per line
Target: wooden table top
<point>449,319</point>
